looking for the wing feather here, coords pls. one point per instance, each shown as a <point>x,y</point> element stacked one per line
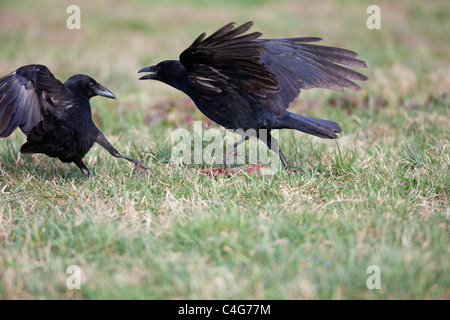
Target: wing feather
<point>229,60</point>
<point>298,65</point>
<point>270,71</point>
<point>27,96</point>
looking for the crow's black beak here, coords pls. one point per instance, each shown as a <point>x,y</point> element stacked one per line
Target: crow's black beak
<point>102,91</point>
<point>152,75</point>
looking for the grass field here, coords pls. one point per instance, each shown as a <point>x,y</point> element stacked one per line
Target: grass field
<point>377,196</point>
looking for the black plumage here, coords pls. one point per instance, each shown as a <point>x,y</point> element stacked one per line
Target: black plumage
<point>244,82</point>
<point>55,117</point>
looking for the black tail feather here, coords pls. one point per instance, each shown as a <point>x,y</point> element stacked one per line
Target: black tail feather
<point>316,127</point>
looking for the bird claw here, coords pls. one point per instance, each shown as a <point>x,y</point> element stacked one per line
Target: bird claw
<point>294,171</point>
<point>141,168</point>
<point>230,156</point>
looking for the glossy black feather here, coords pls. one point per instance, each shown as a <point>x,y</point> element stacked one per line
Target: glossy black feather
<point>244,82</point>
<point>55,117</point>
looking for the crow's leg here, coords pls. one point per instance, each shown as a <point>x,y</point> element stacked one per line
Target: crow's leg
<point>232,148</point>
<point>101,139</point>
<point>274,146</point>
<point>82,166</point>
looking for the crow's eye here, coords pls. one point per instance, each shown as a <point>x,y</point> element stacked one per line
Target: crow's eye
<point>90,84</point>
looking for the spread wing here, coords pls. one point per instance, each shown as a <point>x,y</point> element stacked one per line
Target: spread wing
<point>226,60</point>
<point>28,95</point>
<point>272,72</point>
<point>300,65</point>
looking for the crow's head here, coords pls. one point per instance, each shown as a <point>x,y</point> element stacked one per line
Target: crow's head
<point>171,72</point>
<point>87,86</point>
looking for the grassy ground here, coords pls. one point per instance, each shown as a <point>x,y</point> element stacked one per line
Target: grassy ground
<point>377,196</point>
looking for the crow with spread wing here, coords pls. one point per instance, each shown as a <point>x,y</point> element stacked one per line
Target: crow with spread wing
<point>244,82</point>
<point>55,117</point>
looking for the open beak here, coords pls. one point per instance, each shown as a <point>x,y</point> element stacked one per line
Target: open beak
<point>150,75</point>
<point>102,91</point>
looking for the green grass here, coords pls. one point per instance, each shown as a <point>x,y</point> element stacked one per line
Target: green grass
<point>379,195</point>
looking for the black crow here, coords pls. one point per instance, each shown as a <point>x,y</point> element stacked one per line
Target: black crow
<point>55,117</point>
<point>243,82</point>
